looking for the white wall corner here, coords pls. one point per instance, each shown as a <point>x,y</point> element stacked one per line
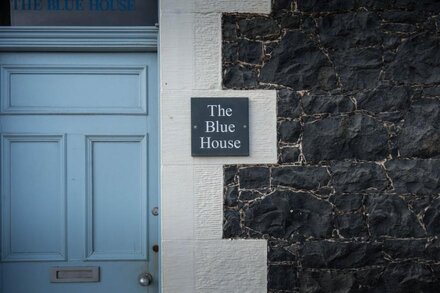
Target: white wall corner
<point>207,51</point>
<point>178,204</point>
<point>177,263</point>
<point>176,49</point>
<point>208,193</point>
<point>195,258</point>
<point>231,266</point>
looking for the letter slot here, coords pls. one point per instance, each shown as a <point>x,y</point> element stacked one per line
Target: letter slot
<point>74,274</point>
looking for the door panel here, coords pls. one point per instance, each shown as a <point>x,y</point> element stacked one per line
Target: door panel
<point>116,186</point>
<point>33,205</point>
<point>74,89</point>
<point>78,170</point>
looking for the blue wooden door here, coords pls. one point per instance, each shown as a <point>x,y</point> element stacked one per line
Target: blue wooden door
<point>79,173</point>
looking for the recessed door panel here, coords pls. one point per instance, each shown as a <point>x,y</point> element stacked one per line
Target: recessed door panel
<point>74,89</point>
<point>116,201</point>
<point>33,198</point>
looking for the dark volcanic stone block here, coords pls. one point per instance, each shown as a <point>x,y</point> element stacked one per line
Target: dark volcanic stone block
<point>289,131</point>
<point>369,280</point>
<point>327,281</point>
<point>420,136</point>
<point>377,4</point>
<point>250,51</point>
<point>389,215</point>
<point>384,99</point>
<point>410,277</point>
<point>298,63</point>
<point>300,177</point>
<point>358,68</point>
<point>359,79</point>
<point>339,255</point>
<point>259,27</point>
<point>433,91</point>
<point>399,28</point>
<point>432,219</point>
<point>290,215</point>
<point>370,57</point>
<point>230,52</point>
<point>289,155</point>
<point>231,224</point>
<point>247,195</point>
<point>415,176</point>
<point>289,21</point>
<point>325,6</point>
<point>432,251</point>
<point>405,249</point>
<point>417,61</point>
<point>281,4</point>
<point>394,117</point>
<point>254,177</point>
<point>356,29</point>
<point>347,202</point>
<point>356,177</point>
<point>229,174</point>
<point>432,6</point>
<point>229,27</point>
<point>419,203</point>
<point>282,277</point>
<point>269,216</point>
<point>238,76</point>
<point>390,43</point>
<point>280,252</point>
<point>315,104</point>
<point>399,16</point>
<point>231,196</point>
<point>351,225</point>
<point>336,138</point>
<point>288,104</point>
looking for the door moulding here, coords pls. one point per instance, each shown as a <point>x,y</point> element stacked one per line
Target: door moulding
<point>88,38</point>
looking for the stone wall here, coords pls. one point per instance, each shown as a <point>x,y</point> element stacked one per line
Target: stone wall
<point>353,204</point>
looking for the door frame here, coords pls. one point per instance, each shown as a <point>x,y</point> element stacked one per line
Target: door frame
<point>119,39</point>
<point>79,39</point>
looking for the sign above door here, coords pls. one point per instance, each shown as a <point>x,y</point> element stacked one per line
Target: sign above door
<point>83,12</point>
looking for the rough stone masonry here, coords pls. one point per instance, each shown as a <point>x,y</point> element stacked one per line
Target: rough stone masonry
<point>353,204</point>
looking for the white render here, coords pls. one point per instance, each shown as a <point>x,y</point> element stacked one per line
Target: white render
<point>194,256</point>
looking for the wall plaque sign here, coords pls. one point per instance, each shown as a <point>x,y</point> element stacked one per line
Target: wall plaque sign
<point>84,12</point>
<point>220,126</point>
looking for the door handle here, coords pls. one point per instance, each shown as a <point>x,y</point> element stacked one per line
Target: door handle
<point>145,279</point>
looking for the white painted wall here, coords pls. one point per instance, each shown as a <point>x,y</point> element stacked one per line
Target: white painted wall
<point>195,258</point>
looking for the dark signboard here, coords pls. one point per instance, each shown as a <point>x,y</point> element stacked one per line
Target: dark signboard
<point>220,126</point>
<point>84,12</point>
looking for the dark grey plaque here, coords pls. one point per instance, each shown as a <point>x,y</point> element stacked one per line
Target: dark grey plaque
<point>84,12</point>
<point>220,126</point>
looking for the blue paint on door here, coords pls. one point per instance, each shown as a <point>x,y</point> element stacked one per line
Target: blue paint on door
<point>79,169</point>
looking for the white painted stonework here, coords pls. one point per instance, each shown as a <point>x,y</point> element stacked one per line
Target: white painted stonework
<point>195,258</point>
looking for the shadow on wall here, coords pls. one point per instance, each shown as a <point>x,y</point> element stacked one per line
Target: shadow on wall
<point>353,204</point>
<point>4,13</point>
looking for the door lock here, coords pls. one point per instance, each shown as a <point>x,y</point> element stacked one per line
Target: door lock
<point>145,279</point>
